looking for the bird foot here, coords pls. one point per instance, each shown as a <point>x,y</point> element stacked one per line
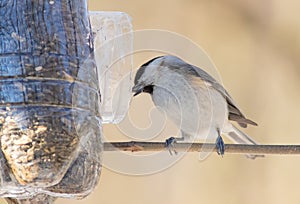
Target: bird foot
<point>220,146</point>
<point>170,145</point>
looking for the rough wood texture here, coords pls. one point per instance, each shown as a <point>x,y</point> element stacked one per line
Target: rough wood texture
<point>50,130</point>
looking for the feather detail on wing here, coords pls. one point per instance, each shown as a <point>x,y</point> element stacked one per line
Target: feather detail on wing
<point>234,113</point>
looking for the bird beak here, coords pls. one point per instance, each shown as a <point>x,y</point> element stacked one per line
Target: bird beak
<point>137,89</point>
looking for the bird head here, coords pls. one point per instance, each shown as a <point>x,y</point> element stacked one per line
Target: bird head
<point>146,76</point>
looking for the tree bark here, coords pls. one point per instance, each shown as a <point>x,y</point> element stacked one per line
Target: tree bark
<point>49,114</point>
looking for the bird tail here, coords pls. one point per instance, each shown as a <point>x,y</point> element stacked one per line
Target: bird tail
<point>239,137</point>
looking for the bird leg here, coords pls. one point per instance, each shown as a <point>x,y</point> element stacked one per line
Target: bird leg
<point>220,145</point>
<point>170,144</point>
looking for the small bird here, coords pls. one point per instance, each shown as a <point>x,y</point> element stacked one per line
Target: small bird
<point>197,104</point>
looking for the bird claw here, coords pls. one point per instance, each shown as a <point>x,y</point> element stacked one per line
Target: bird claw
<point>220,146</point>
<point>170,145</point>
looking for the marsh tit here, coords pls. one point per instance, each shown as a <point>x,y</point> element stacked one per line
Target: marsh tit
<point>197,104</point>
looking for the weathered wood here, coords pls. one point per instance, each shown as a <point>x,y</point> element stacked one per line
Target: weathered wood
<point>50,134</point>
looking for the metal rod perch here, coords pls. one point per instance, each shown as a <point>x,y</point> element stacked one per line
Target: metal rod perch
<point>135,146</point>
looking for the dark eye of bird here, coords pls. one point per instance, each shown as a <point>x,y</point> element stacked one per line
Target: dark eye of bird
<point>148,89</point>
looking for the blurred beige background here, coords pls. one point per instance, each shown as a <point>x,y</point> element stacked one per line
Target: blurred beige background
<point>255,46</point>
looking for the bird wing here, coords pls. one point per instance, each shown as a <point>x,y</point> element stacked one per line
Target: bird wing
<point>234,112</point>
